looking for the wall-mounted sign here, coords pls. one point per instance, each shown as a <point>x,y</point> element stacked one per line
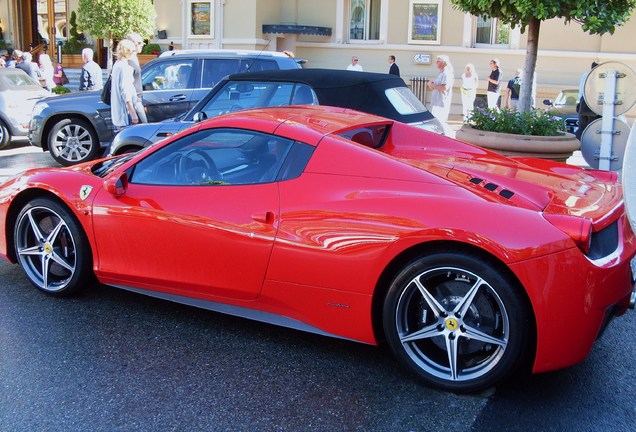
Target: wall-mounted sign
<point>422,58</point>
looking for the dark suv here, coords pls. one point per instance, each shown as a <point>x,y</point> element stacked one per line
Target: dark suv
<point>76,127</point>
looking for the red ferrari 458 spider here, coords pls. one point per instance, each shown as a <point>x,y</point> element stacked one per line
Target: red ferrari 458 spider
<point>470,265</point>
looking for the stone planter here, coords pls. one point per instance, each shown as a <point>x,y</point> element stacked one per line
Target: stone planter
<point>557,148</point>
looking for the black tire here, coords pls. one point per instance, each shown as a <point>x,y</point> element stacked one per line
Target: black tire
<point>5,135</point>
<point>454,309</point>
<point>73,141</point>
<point>52,248</point>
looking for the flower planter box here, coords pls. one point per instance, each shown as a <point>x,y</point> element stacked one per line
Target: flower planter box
<point>145,58</point>
<point>72,61</point>
<point>557,148</point>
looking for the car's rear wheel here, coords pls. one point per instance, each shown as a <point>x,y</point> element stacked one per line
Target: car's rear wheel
<point>457,321</point>
<point>52,248</point>
<point>5,135</point>
<point>72,141</point>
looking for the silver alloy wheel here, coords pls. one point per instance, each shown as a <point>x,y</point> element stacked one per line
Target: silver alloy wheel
<point>46,249</point>
<point>72,143</point>
<point>452,324</point>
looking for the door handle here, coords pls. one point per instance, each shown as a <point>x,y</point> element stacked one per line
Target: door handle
<point>178,98</point>
<point>265,218</point>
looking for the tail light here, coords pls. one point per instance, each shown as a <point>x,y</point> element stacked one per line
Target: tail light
<point>579,229</point>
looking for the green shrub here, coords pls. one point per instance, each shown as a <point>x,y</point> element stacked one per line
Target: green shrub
<point>58,89</point>
<point>152,48</point>
<point>76,41</point>
<point>535,122</point>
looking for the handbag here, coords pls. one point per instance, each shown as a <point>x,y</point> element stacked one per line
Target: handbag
<point>105,95</point>
<point>64,78</point>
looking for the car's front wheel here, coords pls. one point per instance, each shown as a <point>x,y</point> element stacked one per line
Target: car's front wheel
<point>457,321</point>
<point>51,248</point>
<point>5,136</point>
<point>73,141</point>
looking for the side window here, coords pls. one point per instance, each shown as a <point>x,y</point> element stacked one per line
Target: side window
<point>238,95</point>
<point>215,157</point>
<point>258,65</point>
<point>168,75</point>
<point>215,69</point>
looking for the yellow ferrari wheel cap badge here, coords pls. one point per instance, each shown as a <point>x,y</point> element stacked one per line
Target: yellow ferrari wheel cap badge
<point>452,324</point>
<point>85,191</point>
<point>47,248</point>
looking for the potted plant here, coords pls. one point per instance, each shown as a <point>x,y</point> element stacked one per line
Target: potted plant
<point>72,48</point>
<point>149,52</point>
<point>534,133</point>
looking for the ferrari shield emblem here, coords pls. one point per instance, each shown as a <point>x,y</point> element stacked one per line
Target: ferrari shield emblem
<point>85,191</point>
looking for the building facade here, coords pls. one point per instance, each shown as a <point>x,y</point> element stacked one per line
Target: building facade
<point>329,32</point>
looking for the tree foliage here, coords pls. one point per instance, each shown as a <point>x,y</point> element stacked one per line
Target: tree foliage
<point>595,16</point>
<point>108,19</point>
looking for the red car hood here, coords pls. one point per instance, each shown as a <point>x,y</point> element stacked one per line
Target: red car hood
<point>535,184</point>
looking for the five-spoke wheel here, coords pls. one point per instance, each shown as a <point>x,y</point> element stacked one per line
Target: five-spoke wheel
<point>51,248</point>
<point>457,321</point>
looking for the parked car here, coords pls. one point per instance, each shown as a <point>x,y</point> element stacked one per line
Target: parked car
<point>76,127</point>
<point>375,93</point>
<point>564,106</point>
<point>470,264</point>
<point>18,94</point>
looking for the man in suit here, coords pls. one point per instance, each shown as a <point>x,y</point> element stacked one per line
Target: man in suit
<point>393,68</point>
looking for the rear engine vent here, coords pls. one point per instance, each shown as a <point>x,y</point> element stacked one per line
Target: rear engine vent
<point>506,193</point>
<point>604,242</point>
<point>491,187</point>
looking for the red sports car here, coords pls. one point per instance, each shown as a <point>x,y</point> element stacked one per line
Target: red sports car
<point>469,264</point>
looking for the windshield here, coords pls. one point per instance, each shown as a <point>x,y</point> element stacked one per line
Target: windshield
<point>110,165</point>
<point>404,101</point>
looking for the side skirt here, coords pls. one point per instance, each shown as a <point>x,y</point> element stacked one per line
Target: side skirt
<point>256,315</point>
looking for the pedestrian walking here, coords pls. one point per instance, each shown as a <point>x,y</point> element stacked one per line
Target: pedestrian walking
<point>91,76</point>
<point>393,68</point>
<point>442,89</point>
<point>470,82</point>
<point>123,95</point>
<point>136,39</point>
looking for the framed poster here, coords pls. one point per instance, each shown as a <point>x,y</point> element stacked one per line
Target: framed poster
<point>425,21</point>
<point>201,18</point>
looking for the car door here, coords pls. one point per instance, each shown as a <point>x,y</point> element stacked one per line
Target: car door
<point>168,86</point>
<point>198,217</point>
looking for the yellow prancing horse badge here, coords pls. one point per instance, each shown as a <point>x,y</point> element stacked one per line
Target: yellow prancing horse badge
<point>452,324</point>
<point>85,191</point>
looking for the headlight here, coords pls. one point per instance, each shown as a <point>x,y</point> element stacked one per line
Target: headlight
<point>39,107</point>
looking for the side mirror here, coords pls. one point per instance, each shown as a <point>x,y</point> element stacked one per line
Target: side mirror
<point>199,117</point>
<point>547,102</point>
<point>118,185</point>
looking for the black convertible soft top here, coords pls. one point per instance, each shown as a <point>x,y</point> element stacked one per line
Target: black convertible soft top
<point>362,91</point>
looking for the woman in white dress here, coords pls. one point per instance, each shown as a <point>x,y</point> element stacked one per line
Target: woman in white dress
<point>470,82</point>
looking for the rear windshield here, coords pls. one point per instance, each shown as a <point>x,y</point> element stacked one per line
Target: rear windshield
<point>404,101</point>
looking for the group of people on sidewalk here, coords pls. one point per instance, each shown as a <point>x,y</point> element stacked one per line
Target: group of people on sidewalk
<point>44,71</point>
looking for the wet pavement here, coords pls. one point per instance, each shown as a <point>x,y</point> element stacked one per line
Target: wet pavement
<point>20,156</point>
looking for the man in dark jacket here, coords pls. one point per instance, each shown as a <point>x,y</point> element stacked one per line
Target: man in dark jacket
<point>393,69</point>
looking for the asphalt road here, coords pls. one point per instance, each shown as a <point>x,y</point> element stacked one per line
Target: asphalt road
<point>110,360</point>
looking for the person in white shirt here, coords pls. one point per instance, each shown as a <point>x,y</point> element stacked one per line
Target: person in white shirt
<point>122,94</point>
<point>470,82</point>
<point>91,77</point>
<point>354,66</point>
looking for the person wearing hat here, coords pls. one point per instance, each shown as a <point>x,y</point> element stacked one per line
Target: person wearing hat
<point>494,84</point>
